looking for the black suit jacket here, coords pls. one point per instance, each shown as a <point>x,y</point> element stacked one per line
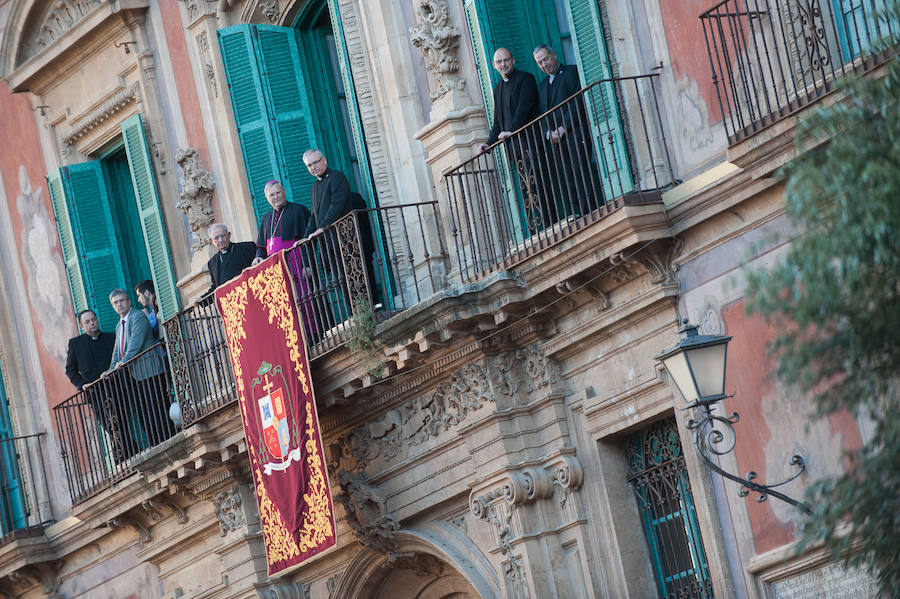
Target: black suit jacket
<point>88,358</point>
<point>565,83</point>
<point>515,103</point>
<point>329,200</point>
<point>224,267</point>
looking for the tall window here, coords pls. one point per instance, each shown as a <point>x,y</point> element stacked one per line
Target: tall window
<point>12,499</point>
<point>110,227</point>
<point>291,90</point>
<point>660,482</point>
<point>574,28</point>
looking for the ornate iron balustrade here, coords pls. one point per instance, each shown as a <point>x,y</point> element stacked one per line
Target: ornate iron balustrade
<point>102,428</point>
<point>24,495</point>
<point>770,58</point>
<point>337,274</point>
<point>201,368</point>
<point>374,260</point>
<point>602,147</point>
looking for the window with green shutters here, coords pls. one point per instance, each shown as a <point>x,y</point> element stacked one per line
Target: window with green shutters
<point>271,108</point>
<point>13,511</point>
<point>603,109</point>
<point>145,193</point>
<point>95,230</point>
<point>86,230</point>
<point>520,26</point>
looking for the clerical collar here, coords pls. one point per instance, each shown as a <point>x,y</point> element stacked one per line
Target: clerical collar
<point>325,174</point>
<point>505,80</point>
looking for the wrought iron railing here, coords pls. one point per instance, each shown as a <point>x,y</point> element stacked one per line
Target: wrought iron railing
<point>24,494</point>
<point>103,427</point>
<point>375,260</point>
<point>600,148</point>
<point>382,260</point>
<point>769,58</point>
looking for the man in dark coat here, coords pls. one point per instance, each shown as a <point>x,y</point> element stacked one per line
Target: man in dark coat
<point>568,132</point>
<point>330,200</point>
<point>90,352</point>
<point>280,228</point>
<point>231,258</point>
<point>329,195</point>
<point>515,105</point>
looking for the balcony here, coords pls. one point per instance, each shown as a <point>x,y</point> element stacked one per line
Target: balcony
<point>770,59</point>
<point>557,175</point>
<point>24,507</point>
<point>390,267</point>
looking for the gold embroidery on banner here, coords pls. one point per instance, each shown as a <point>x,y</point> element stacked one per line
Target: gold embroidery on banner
<point>280,543</point>
<point>317,526</point>
<point>270,288</point>
<point>233,306</point>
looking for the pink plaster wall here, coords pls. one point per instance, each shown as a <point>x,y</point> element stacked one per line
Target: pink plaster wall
<point>31,218</point>
<point>773,417</point>
<point>687,47</point>
<point>184,80</point>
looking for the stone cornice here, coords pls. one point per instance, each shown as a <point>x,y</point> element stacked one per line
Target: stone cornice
<point>95,30</point>
<point>101,113</point>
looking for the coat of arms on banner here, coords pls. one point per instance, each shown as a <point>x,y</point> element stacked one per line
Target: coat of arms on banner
<point>277,425</point>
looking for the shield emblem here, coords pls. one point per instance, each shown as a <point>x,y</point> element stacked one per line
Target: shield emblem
<point>273,416</point>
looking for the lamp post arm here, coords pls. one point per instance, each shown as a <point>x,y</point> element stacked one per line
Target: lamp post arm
<point>706,437</point>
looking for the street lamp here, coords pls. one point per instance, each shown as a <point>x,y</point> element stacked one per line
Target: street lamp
<point>697,366</point>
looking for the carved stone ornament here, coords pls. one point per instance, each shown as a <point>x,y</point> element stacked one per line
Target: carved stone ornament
<point>284,590</point>
<point>658,259</point>
<point>197,186</point>
<point>209,70</point>
<point>367,515</point>
<point>192,7</point>
<point>438,40</point>
<point>124,521</point>
<point>229,510</point>
<point>271,9</point>
<point>95,117</point>
<point>62,16</point>
<point>505,379</point>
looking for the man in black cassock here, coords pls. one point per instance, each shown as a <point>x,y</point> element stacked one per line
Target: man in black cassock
<point>515,105</point>
<point>330,200</point>
<point>90,352</point>
<point>281,227</point>
<point>231,258</point>
<point>568,132</point>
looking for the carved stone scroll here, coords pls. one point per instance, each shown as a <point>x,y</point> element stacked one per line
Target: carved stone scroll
<point>367,514</point>
<point>438,40</point>
<point>229,510</point>
<point>197,186</point>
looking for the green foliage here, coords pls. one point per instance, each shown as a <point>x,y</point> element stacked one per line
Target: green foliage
<point>362,337</point>
<point>836,299</point>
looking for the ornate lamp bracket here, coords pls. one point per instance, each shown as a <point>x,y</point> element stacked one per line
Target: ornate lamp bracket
<point>714,435</point>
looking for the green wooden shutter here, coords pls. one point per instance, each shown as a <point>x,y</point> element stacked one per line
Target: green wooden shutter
<point>593,64</point>
<point>278,56</point>
<point>474,19</point>
<point>245,86</point>
<point>151,217</point>
<point>95,237</point>
<point>67,241</point>
<point>359,142</point>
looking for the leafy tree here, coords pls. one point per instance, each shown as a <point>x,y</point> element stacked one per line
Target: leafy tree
<point>836,300</point>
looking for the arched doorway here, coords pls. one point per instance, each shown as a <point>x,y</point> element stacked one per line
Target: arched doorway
<point>411,576</point>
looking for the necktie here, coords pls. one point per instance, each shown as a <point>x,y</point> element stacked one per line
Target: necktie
<point>122,341</point>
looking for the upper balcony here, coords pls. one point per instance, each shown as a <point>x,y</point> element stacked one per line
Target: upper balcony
<point>588,174</point>
<point>770,59</point>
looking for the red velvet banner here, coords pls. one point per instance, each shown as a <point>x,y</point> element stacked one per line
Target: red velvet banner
<point>265,340</point>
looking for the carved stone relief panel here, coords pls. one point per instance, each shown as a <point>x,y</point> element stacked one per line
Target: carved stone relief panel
<point>62,17</point>
<point>438,40</point>
<point>197,186</point>
<point>229,510</point>
<point>504,380</point>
